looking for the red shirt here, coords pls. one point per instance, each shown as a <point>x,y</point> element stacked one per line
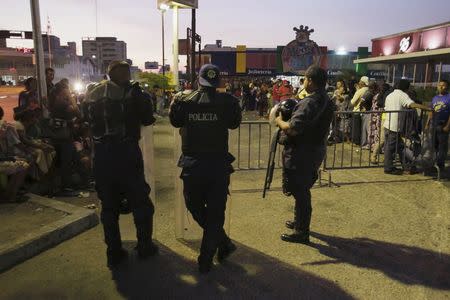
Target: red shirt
<point>276,92</point>
<point>285,92</point>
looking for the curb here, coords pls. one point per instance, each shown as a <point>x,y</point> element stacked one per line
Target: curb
<point>78,219</point>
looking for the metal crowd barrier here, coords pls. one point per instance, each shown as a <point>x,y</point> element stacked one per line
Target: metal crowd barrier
<point>250,145</point>
<point>357,139</point>
<point>413,145</point>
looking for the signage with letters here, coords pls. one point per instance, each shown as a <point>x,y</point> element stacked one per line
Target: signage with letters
<point>261,72</point>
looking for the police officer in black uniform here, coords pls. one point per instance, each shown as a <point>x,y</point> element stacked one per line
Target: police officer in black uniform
<point>205,116</point>
<point>305,148</point>
<point>116,109</point>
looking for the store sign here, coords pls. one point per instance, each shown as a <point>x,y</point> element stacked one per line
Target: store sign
<point>333,73</point>
<point>260,72</point>
<point>377,74</point>
<point>302,52</point>
<point>405,43</point>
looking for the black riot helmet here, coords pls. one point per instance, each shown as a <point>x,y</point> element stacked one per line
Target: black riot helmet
<point>286,108</point>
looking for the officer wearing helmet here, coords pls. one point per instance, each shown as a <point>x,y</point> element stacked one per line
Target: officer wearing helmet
<point>304,149</point>
<point>115,110</point>
<point>204,117</point>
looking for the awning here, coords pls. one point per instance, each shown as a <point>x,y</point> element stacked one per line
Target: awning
<point>437,55</point>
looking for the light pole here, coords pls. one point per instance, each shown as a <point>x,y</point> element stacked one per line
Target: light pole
<point>175,48</point>
<point>163,7</point>
<point>38,50</point>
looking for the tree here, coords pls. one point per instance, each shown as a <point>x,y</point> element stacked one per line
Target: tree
<point>153,79</point>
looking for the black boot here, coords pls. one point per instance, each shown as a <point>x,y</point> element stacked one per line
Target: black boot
<point>225,250</point>
<point>204,264</point>
<point>300,237</point>
<point>290,224</point>
<point>145,246</point>
<point>115,257</point>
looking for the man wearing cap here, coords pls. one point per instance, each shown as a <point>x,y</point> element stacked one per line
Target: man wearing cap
<point>304,149</point>
<point>116,109</point>
<point>356,103</point>
<point>204,118</point>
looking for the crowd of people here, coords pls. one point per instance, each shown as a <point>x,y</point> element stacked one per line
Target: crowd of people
<point>262,94</point>
<point>47,148</point>
<point>389,119</point>
<point>49,144</point>
<point>363,116</point>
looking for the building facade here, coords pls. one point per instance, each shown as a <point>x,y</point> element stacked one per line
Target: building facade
<point>103,50</point>
<point>421,55</point>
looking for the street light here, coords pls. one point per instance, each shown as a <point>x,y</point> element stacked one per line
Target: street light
<point>163,7</point>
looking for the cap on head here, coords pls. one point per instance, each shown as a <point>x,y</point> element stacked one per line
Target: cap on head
<point>364,80</point>
<point>209,76</point>
<point>115,64</point>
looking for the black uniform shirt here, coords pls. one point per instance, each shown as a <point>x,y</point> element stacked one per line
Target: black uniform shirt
<point>205,152</point>
<point>309,127</point>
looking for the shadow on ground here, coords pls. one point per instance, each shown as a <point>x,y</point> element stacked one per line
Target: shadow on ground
<point>409,265</point>
<point>248,275</point>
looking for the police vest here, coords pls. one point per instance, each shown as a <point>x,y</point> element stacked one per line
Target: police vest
<point>112,113</point>
<point>205,130</point>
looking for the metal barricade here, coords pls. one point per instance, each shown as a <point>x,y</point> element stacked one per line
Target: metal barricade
<point>250,145</point>
<point>373,139</point>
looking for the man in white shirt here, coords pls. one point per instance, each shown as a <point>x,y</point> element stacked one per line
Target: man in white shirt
<point>396,101</point>
<point>356,102</point>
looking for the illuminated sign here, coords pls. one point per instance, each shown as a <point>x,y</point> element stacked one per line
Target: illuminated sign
<point>302,52</point>
<point>179,3</point>
<point>405,43</point>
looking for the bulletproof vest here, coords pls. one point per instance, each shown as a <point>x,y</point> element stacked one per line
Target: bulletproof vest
<point>205,130</point>
<point>112,115</point>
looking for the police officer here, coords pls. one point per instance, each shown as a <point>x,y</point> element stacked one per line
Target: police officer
<point>305,149</point>
<point>205,116</point>
<point>116,109</point>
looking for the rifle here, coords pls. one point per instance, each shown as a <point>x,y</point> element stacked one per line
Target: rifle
<point>271,161</point>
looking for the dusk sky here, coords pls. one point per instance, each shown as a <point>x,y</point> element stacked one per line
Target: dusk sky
<point>255,23</point>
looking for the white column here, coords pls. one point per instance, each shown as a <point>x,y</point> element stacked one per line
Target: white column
<point>393,74</point>
<point>414,74</point>
<point>175,47</point>
<point>440,72</point>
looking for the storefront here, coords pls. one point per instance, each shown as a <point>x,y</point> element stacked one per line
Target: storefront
<point>421,55</point>
<point>290,60</point>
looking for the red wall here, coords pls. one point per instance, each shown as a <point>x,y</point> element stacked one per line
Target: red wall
<point>261,60</point>
<point>427,39</point>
